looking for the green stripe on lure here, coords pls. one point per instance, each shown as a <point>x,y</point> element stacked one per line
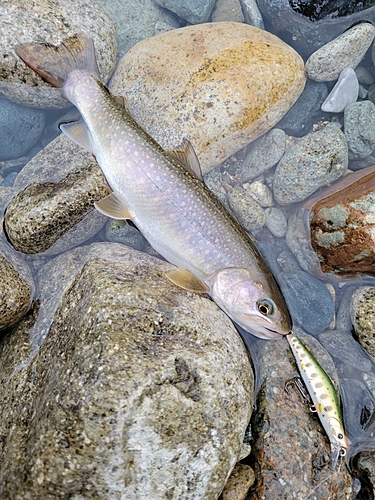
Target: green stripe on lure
<point>323,395</point>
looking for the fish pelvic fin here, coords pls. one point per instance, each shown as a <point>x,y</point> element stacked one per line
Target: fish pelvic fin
<point>185,279</point>
<point>55,63</point>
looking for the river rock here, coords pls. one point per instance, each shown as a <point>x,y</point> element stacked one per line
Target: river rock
<point>120,231</point>
<point>239,483</point>
<point>308,25</point>
<point>126,400</point>
<point>248,212</point>
<point>306,111</point>
<point>53,189</point>
<point>359,127</point>
<point>342,225</point>
<point>289,444</point>
<point>362,312</point>
<point>276,222</point>
<point>227,10</point>
<point>227,84</point>
<point>194,11</point>
<point>252,13</point>
<point>20,128</point>
<point>310,303</point>
<point>134,21</point>
<point>51,21</point>
<point>263,154</point>
<point>364,75</point>
<point>314,161</point>
<point>343,93</point>
<point>345,51</point>
<point>16,287</point>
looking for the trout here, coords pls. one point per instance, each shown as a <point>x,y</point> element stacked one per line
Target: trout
<point>163,194</point>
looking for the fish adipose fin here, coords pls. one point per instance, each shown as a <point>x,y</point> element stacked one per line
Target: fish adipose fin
<point>54,63</point>
<point>188,159</point>
<point>184,279</point>
<point>113,206</point>
<point>78,133</point>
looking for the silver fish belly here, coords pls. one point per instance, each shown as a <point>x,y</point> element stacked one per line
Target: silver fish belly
<point>173,209</point>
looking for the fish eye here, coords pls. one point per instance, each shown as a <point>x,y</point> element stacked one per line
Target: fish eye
<point>340,436</point>
<point>266,306</point>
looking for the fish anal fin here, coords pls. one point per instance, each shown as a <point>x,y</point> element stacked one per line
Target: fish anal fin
<point>113,206</point>
<point>185,279</point>
<point>78,133</point>
<point>187,157</point>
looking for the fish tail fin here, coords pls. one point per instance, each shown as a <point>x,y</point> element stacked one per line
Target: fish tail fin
<point>55,63</point>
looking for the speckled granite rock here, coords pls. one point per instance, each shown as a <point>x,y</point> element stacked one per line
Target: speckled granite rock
<point>227,84</point>
<point>238,484</point>
<point>51,21</point>
<point>16,286</point>
<point>227,10</point>
<point>248,212</point>
<point>123,399</point>
<point>342,222</point>
<point>362,312</point>
<point>61,167</point>
<point>345,51</point>
<point>359,123</point>
<point>40,214</point>
<point>314,161</point>
<point>289,445</point>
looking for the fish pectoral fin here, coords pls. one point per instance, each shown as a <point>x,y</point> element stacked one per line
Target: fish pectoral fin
<point>185,279</point>
<point>113,206</point>
<point>78,133</point>
<point>187,157</point>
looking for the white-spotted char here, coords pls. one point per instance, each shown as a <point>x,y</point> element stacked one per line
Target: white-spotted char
<point>163,194</point>
<point>323,395</point>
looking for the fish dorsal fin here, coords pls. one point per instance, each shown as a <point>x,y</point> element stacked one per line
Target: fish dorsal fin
<point>121,101</point>
<point>184,279</point>
<point>113,206</point>
<point>78,133</point>
<point>187,157</point>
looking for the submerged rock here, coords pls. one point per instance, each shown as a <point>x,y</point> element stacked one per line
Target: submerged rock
<point>227,84</point>
<point>343,93</point>
<point>345,51</point>
<point>307,25</point>
<point>66,183</point>
<point>194,11</point>
<point>16,287</point>
<point>123,399</point>
<point>359,126</point>
<point>314,161</point>
<point>51,21</point>
<point>342,225</point>
<point>362,312</point>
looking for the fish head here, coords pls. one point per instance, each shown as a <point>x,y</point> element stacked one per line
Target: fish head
<point>253,302</point>
<point>339,443</point>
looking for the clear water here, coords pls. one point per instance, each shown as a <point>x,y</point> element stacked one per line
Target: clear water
<point>360,418</point>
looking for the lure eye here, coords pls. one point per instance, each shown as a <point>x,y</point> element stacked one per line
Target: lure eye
<point>266,306</point>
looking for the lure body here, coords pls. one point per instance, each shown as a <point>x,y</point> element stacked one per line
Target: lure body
<point>323,395</point>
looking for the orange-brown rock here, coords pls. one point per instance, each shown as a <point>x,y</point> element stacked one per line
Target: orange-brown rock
<point>220,85</point>
<point>342,225</point>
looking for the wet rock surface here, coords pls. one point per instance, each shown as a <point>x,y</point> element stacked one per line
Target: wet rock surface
<point>220,79</point>
<point>248,211</point>
<point>40,214</point>
<point>52,21</point>
<point>20,128</point>
<point>16,287</point>
<point>359,123</point>
<point>341,225</point>
<point>314,161</point>
<point>362,311</point>
<point>127,375</point>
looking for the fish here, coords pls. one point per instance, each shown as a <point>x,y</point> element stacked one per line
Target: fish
<point>323,395</point>
<point>163,194</point>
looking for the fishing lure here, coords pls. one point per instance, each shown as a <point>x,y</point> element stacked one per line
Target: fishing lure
<point>323,395</point>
